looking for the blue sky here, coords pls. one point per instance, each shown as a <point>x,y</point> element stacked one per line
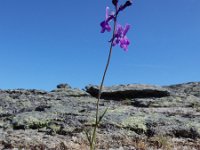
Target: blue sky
<point>47,42</point>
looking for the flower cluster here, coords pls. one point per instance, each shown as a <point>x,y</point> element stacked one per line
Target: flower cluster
<point>121,38</point>
<point>120,32</point>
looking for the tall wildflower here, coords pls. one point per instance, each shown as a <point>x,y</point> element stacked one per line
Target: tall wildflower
<point>119,37</point>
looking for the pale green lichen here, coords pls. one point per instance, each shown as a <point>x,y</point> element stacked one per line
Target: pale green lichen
<point>195,125</point>
<point>33,120</point>
<point>135,123</point>
<point>54,128</point>
<point>24,103</point>
<point>35,123</point>
<point>119,110</point>
<point>1,110</point>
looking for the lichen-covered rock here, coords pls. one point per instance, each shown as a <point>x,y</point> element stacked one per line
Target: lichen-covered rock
<point>36,119</point>
<point>190,88</point>
<point>170,101</point>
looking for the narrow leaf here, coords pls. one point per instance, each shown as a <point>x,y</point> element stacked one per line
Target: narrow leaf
<point>101,117</point>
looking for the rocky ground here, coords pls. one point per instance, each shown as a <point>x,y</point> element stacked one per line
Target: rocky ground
<point>139,117</point>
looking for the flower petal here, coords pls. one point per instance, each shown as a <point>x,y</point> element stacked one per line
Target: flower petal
<point>107,12</point>
<point>127,27</point>
<point>105,26</point>
<point>124,42</point>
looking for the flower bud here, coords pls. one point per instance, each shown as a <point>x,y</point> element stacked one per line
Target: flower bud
<point>128,3</point>
<point>115,2</point>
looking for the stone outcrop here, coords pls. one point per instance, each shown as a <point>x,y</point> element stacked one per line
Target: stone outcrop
<point>121,92</point>
<point>160,118</point>
<point>63,90</point>
<point>191,88</point>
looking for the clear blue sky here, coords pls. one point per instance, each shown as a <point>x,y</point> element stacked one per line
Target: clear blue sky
<point>47,42</point>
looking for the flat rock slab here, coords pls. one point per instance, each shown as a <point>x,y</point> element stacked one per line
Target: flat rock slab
<point>121,92</point>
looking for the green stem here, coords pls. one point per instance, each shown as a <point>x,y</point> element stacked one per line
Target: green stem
<point>93,142</point>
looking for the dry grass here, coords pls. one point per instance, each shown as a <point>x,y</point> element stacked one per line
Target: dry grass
<point>105,142</point>
<point>161,142</point>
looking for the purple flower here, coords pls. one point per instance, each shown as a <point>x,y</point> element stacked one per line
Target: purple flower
<point>105,24</point>
<point>120,36</point>
<point>124,42</point>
